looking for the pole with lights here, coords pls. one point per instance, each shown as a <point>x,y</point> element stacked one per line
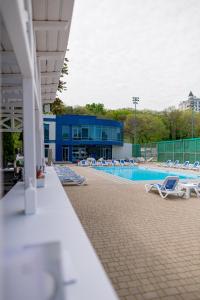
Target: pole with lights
<point>192,105</point>
<point>135,101</point>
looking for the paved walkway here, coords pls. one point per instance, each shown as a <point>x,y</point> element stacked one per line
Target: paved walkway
<point>149,247</point>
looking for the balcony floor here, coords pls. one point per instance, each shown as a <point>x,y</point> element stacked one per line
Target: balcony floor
<point>149,247</point>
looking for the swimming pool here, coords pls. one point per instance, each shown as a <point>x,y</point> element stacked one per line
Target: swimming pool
<point>142,173</point>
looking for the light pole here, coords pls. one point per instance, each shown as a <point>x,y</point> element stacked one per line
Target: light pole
<point>135,101</point>
<point>192,104</point>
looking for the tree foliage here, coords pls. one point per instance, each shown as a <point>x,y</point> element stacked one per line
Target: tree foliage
<point>62,83</point>
<point>12,142</point>
<point>96,108</point>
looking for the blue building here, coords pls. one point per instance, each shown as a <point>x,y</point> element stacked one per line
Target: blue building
<point>75,137</point>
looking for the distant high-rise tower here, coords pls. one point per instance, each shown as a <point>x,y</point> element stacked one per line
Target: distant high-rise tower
<point>191,102</point>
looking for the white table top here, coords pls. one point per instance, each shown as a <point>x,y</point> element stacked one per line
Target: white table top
<point>191,184</point>
<point>57,221</point>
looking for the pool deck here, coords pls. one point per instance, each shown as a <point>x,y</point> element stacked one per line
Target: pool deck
<point>149,246</point>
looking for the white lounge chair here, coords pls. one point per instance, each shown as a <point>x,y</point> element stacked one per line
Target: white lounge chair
<point>93,163</point>
<point>140,159</point>
<point>66,176</point>
<point>185,165</point>
<point>168,187</point>
<point>174,164</point>
<point>166,164</point>
<point>68,179</point>
<point>104,163</point>
<point>83,163</point>
<point>122,162</point>
<point>197,190</point>
<point>195,166</point>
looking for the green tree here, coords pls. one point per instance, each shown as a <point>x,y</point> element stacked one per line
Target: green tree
<point>119,114</point>
<point>96,108</point>
<point>62,83</point>
<point>8,147</point>
<point>173,122</point>
<point>186,124</point>
<point>149,128</point>
<point>58,107</point>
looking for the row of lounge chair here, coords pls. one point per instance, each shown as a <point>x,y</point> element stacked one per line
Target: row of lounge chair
<point>186,165</point>
<point>68,176</point>
<point>106,163</point>
<point>171,186</point>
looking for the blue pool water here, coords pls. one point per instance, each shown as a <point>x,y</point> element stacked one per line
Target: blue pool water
<point>141,173</point>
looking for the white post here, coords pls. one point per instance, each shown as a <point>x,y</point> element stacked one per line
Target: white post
<point>29,132</point>
<point>39,139</point>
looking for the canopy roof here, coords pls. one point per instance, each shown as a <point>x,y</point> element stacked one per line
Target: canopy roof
<point>46,40</point>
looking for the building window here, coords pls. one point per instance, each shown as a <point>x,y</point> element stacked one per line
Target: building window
<point>46,149</point>
<point>105,134</point>
<point>84,133</point>
<point>65,132</point>
<point>98,133</point>
<point>46,131</point>
<point>76,133</point>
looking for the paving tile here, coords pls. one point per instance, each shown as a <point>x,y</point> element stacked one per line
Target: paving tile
<point>148,246</point>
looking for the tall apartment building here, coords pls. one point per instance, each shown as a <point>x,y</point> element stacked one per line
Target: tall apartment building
<point>191,103</point>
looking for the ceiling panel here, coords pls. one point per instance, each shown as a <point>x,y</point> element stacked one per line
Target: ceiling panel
<point>52,41</point>
<point>62,40</point>
<point>50,66</point>
<point>40,9</point>
<point>53,10</point>
<point>66,10</point>
<point>41,41</point>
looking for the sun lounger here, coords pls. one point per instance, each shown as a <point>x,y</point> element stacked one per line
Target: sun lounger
<point>104,163</point>
<point>83,163</point>
<point>140,159</point>
<point>93,163</point>
<point>150,159</point>
<point>195,166</point>
<point>68,176</point>
<point>122,162</point>
<point>168,187</point>
<point>185,165</point>
<point>166,164</point>
<point>197,190</point>
<point>132,162</point>
<point>78,180</point>
<point>174,164</point>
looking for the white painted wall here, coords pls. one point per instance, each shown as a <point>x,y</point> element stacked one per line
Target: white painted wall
<point>53,147</point>
<point>122,152</point>
<point>52,131</point>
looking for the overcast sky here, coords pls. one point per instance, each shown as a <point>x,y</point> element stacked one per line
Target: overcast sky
<point>146,48</point>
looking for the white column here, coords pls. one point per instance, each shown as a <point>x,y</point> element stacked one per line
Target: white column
<point>29,132</point>
<point>39,139</point>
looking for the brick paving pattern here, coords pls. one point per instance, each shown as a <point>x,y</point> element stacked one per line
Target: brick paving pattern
<point>149,247</point>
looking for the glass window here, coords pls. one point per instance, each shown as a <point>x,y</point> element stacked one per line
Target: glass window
<point>76,133</point>
<point>46,148</point>
<point>104,133</point>
<point>65,132</point>
<point>46,131</point>
<point>119,134</point>
<point>91,132</point>
<point>98,134</point>
<point>84,133</point>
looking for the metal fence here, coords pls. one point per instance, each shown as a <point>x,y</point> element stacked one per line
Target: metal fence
<point>182,150</point>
